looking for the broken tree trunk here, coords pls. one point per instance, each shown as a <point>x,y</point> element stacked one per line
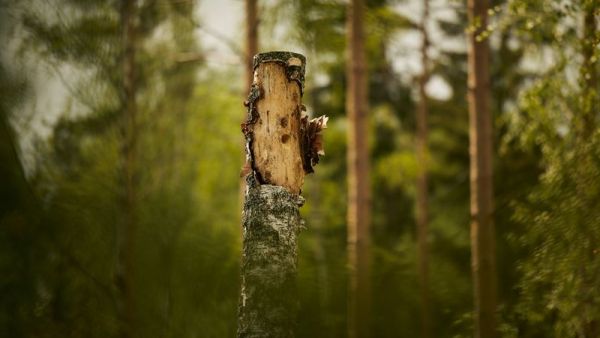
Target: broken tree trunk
<point>281,147</point>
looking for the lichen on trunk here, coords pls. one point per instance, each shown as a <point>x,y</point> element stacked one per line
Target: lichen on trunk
<point>271,222</point>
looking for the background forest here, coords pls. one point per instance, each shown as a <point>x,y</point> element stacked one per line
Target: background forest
<point>121,151</point>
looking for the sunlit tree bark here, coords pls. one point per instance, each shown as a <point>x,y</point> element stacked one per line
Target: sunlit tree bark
<point>359,196</point>
<point>483,260</point>
<point>251,39</point>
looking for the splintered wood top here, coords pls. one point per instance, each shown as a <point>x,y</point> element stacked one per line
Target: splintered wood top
<point>276,133</point>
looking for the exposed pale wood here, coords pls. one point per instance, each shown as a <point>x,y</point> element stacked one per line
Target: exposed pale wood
<point>359,195</point>
<point>483,245</point>
<point>276,142</point>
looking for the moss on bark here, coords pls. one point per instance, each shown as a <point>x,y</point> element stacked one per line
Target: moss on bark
<point>271,221</point>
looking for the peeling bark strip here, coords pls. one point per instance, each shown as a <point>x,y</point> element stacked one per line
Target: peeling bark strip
<point>281,147</point>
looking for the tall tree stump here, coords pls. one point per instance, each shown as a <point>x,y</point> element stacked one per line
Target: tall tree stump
<point>281,147</point>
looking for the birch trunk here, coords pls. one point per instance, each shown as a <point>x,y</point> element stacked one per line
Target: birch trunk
<point>281,147</point>
<point>483,246</point>
<point>268,302</point>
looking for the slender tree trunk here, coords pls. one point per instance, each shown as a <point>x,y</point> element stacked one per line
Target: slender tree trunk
<point>422,208</point>
<point>251,39</point>
<point>359,198</point>
<point>276,147</point>
<point>251,50</point>
<point>482,210</point>
<point>126,229</point>
<point>588,121</point>
<point>589,73</point>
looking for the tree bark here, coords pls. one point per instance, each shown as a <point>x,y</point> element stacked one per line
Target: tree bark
<point>359,195</point>
<point>422,207</point>
<point>126,229</point>
<point>588,121</point>
<point>589,73</point>
<point>268,301</point>
<point>251,50</point>
<point>483,258</point>
<point>251,40</point>
<point>276,150</point>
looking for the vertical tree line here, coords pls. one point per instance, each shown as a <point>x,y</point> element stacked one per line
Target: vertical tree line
<point>252,22</point>
<point>359,195</point>
<point>422,207</point>
<point>126,233</point>
<point>588,72</point>
<point>483,243</point>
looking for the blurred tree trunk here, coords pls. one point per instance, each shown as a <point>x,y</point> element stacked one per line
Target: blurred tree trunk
<point>251,39</point>
<point>589,73</point>
<point>271,217</point>
<point>483,258</point>
<point>251,50</point>
<point>422,208</point>
<point>127,226</point>
<point>19,211</point>
<point>588,121</point>
<point>359,199</point>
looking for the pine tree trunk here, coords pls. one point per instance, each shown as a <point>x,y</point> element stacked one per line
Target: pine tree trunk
<point>359,198</point>
<point>251,40</point>
<point>422,208</point>
<point>589,73</point>
<point>276,148</point>
<point>482,210</point>
<point>588,121</point>
<point>251,50</point>
<point>126,228</point>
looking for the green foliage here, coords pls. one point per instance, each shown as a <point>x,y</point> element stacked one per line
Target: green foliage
<point>559,290</point>
<point>187,244</point>
<point>556,112</point>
